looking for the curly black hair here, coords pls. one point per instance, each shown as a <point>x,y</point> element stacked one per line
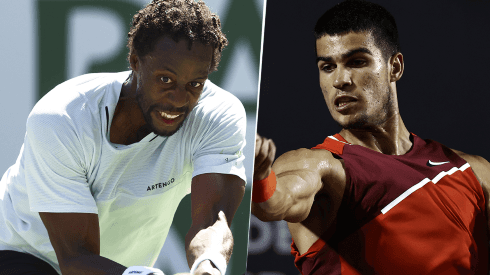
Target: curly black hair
<point>179,19</point>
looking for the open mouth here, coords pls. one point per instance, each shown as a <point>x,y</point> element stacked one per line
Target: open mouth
<point>169,118</point>
<point>344,102</point>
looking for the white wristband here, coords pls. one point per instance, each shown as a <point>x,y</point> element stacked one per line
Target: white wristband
<point>217,258</point>
<point>142,270</point>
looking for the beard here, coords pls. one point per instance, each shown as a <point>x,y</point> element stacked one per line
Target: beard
<point>357,124</point>
<point>364,121</point>
<point>142,103</point>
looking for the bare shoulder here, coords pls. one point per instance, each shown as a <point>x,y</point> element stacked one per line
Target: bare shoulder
<point>479,165</point>
<point>476,162</point>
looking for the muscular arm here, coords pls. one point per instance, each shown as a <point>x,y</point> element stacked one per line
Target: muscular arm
<point>215,199</point>
<point>299,178</point>
<point>76,241</point>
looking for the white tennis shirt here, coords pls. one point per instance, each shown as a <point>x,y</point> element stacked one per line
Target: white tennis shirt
<point>68,164</point>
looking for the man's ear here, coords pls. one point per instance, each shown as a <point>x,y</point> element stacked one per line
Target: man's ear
<point>396,67</point>
<point>134,62</point>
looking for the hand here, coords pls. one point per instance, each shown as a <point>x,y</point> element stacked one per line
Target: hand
<point>265,152</point>
<point>143,270</point>
<point>207,268</point>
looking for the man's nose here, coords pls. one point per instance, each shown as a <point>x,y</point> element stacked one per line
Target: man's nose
<point>178,96</point>
<point>342,78</point>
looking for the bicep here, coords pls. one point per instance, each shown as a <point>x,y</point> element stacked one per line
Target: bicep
<point>72,234</point>
<point>300,177</point>
<point>212,193</point>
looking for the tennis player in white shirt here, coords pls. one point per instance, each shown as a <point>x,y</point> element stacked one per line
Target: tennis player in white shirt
<point>108,157</point>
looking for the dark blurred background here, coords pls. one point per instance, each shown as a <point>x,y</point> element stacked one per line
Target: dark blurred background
<point>443,94</point>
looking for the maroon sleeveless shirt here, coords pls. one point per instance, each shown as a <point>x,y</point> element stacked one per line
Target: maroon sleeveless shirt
<point>418,213</point>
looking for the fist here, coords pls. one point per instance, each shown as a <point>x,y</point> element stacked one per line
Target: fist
<point>265,152</point>
<point>207,268</point>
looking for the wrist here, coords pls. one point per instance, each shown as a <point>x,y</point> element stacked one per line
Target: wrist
<point>262,190</point>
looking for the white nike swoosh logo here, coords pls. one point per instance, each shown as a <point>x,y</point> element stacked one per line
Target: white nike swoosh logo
<point>437,163</point>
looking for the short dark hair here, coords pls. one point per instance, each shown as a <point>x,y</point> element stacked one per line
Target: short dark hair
<point>360,16</point>
<point>179,19</point>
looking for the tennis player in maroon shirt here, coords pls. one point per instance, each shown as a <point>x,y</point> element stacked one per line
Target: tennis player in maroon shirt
<point>374,198</point>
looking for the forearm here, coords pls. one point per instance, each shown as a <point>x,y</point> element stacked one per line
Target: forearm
<point>274,208</point>
<point>292,198</point>
<point>216,239</point>
<point>91,264</point>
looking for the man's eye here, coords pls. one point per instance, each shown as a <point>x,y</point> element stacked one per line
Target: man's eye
<point>358,62</point>
<point>327,67</point>
<point>166,80</point>
<point>195,84</point>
